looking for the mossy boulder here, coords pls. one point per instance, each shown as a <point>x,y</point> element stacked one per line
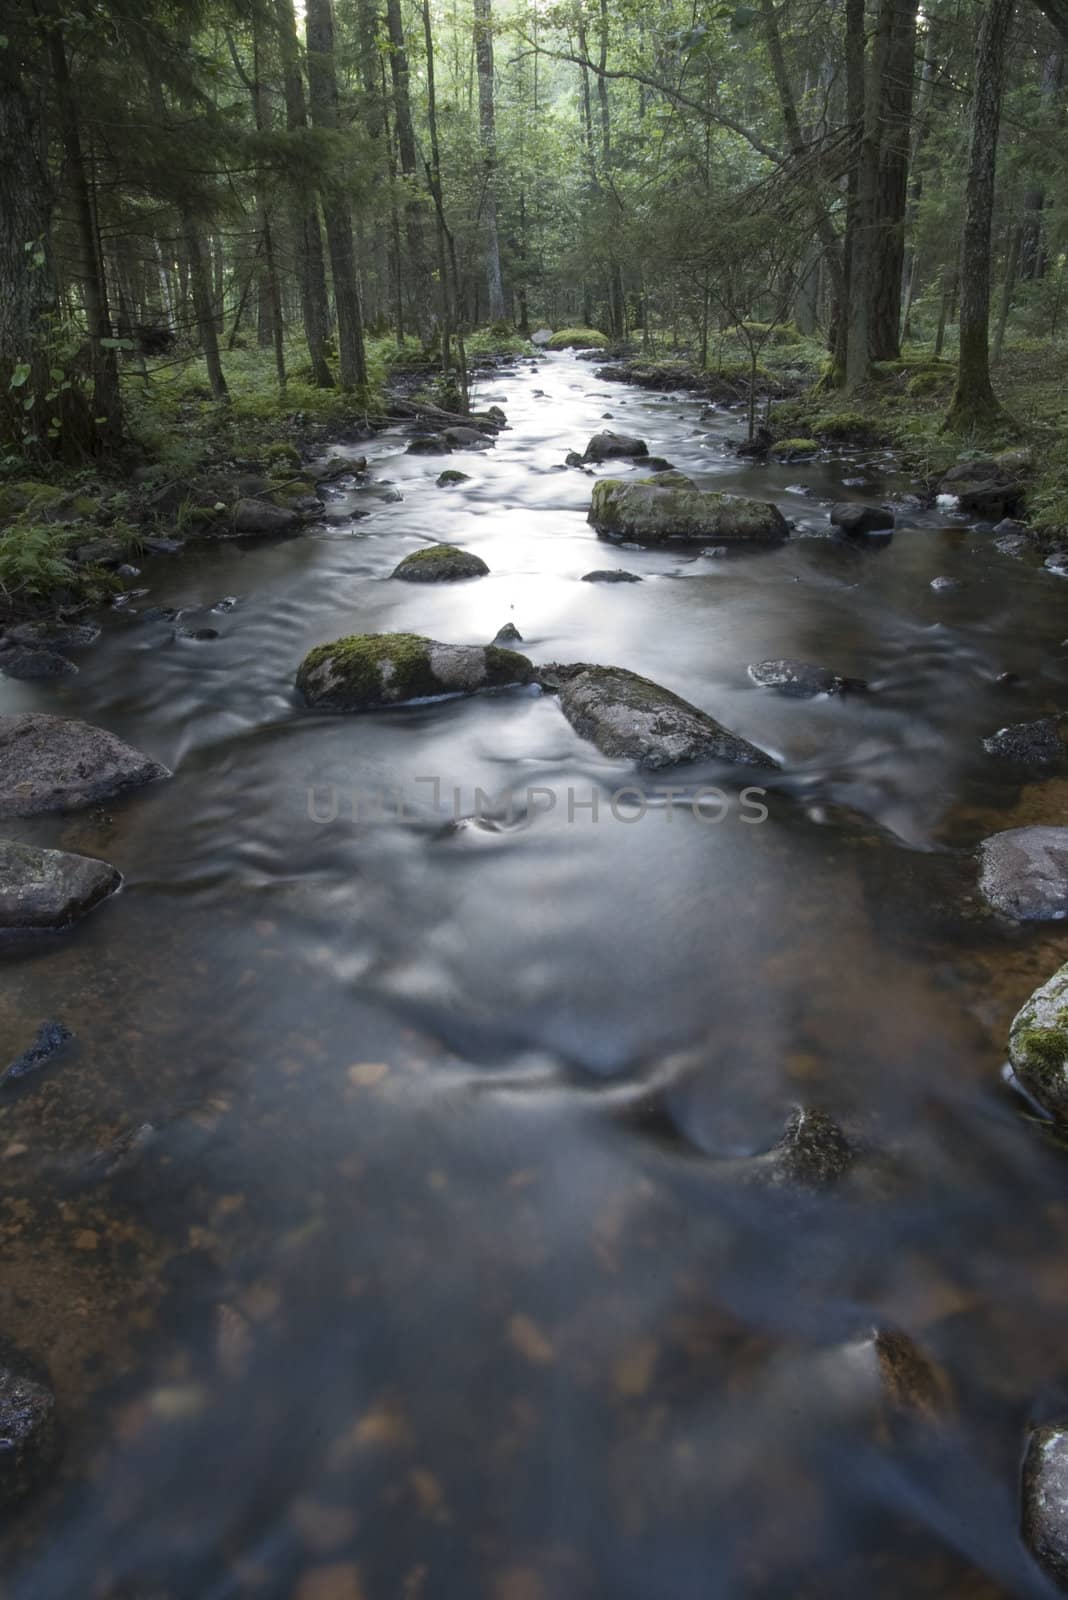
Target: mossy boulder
<point>367,671</point>
<point>844,427</point>
<point>1038,1045</point>
<point>629,717</point>
<point>29,495</point>
<point>450,476</point>
<point>794,449</point>
<point>578,339</point>
<point>440,563</point>
<point>282,454</point>
<point>667,506</point>
<point>929,380</point>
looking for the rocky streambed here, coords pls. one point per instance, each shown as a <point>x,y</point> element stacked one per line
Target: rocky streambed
<point>479,1026</point>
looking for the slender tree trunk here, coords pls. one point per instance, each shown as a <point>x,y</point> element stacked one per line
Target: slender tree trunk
<point>854,52</point>
<point>1011,264</point>
<point>107,399</point>
<point>862,265</point>
<point>891,195</point>
<point>973,403</point>
<point>409,166</point>
<point>323,100</point>
<point>1032,253</point>
<point>204,305</point>
<point>450,282</point>
<point>617,316</point>
<point>488,135</point>
<point>307,233</point>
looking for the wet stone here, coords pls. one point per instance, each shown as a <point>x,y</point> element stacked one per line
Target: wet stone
<point>1038,1045</point>
<point>611,575</point>
<point>49,888</point>
<point>1023,873</point>
<point>57,764</point>
<point>1045,1500</point>
<point>509,634</point>
<point>54,635</point>
<point>29,1442</point>
<point>812,1153</point>
<point>1042,744</point>
<point>800,680</point>
<point>859,519</point>
<point>607,445</point>
<point>440,563</point>
<point>51,1037</point>
<point>32,666</point>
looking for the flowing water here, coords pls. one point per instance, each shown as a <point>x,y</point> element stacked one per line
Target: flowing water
<point>404,1297</point>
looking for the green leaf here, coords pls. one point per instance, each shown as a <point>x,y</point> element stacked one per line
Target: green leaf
<point>117,344</point>
<point>20,375</point>
<point>744,17</point>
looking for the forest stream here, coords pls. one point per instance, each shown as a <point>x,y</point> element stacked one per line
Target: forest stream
<point>432,1265</point>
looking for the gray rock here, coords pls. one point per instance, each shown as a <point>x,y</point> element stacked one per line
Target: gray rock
<point>463,438</point>
<point>611,575</point>
<point>29,1437</point>
<point>55,764</point>
<point>48,888</point>
<point>966,474</point>
<point>32,665</point>
<point>1024,873</point>
<point>1009,526</point>
<point>858,519</point>
<point>1012,544</point>
<point>813,1153</point>
<point>1040,745</point>
<point>429,444</point>
<point>449,476</point>
<point>800,680</point>
<point>54,635</point>
<point>1057,562</point>
<point>630,717</point>
<point>946,585</point>
<point>509,634</point>
<point>440,563</point>
<point>51,1037</point>
<point>161,546</point>
<point>1038,1045</point>
<point>1045,1500</point>
<point>650,511</point>
<point>604,446</point>
<point>366,671</point>
<point>572,459</point>
<point>542,336</point>
<point>259,516</point>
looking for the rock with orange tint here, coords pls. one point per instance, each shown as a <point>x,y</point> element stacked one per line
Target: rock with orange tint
<point>341,1581</point>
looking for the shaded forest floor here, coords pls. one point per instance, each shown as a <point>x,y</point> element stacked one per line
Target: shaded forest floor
<point>66,535</point>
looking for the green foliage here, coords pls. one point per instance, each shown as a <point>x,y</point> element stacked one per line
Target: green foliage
<point>497,342</point>
<point>34,561</point>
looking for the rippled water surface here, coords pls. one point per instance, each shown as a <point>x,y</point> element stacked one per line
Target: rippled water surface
<point>405,1296</point>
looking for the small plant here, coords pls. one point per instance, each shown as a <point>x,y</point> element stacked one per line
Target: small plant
<point>33,561</point>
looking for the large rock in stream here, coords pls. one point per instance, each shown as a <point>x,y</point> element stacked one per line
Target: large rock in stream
<point>54,764</point>
<point>669,506</point>
<point>1023,873</point>
<point>1038,1045</point>
<point>369,670</point>
<point>1045,1500</point>
<point>607,445</point>
<point>49,888</point>
<point>440,563</point>
<point>630,717</point>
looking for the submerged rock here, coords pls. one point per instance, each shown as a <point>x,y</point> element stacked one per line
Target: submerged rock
<point>464,438</point>
<point>48,888</point>
<point>29,1437</point>
<point>56,764</point>
<point>857,519</point>
<point>51,1037</point>
<point>428,444</point>
<point>812,1153</point>
<point>450,476</point>
<point>630,717</point>
<point>1039,744</point>
<point>259,516</point>
<point>909,1381</point>
<point>440,563</point>
<point>610,575</point>
<point>669,506</point>
<point>800,680</point>
<point>32,666</point>
<point>509,634</point>
<point>946,585</point>
<point>607,445</point>
<point>1038,1045</point>
<point>366,671</point>
<point>1045,1500</point>
<point>1024,873</point>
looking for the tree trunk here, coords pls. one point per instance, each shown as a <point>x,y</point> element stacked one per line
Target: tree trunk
<point>862,266</point>
<point>405,134</point>
<point>1011,263</point>
<point>488,135</point>
<point>107,400</point>
<point>854,52</point>
<point>973,403</point>
<point>891,195</point>
<point>204,305</point>
<point>307,234</point>
<point>323,101</point>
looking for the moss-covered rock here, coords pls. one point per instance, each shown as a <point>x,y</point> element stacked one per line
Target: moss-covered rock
<point>845,427</point>
<point>929,380</point>
<point>653,510</point>
<point>369,670</point>
<point>630,717</point>
<point>450,476</point>
<point>1038,1045</point>
<point>794,449</point>
<point>440,563</point>
<point>578,339</point>
<point>282,454</point>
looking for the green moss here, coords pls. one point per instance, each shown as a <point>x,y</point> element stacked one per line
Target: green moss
<point>795,447</point>
<point>1042,1052</point>
<point>929,380</point>
<point>500,340</point>
<point>848,427</point>
<point>578,339</point>
<point>282,454</point>
<point>781,333</point>
<point>741,372</point>
<point>357,662</point>
<point>450,475</point>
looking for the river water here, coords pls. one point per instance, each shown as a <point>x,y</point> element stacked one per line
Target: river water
<point>403,1297</point>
